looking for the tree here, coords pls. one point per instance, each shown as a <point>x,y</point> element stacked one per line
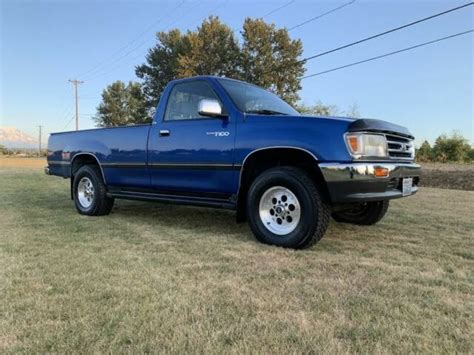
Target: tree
<point>271,59</point>
<point>267,57</point>
<point>470,155</point>
<point>453,148</point>
<point>122,105</point>
<point>213,50</point>
<point>320,109</point>
<point>162,64</point>
<point>353,111</point>
<point>425,152</point>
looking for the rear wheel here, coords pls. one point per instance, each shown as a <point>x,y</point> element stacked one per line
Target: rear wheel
<point>90,194</point>
<point>363,213</point>
<point>284,208</point>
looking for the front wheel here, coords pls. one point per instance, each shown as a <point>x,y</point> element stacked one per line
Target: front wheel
<point>284,208</point>
<point>367,213</point>
<point>90,195</point>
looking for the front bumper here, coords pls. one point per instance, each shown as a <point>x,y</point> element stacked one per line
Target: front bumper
<point>356,182</point>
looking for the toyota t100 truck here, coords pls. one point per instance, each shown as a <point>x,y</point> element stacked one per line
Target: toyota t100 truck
<point>218,142</point>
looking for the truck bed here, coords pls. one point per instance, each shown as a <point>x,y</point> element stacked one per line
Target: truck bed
<point>126,144</point>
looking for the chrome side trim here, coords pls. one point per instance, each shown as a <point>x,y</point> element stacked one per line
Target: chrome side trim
<point>98,163</point>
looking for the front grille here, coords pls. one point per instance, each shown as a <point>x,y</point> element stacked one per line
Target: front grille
<point>400,147</point>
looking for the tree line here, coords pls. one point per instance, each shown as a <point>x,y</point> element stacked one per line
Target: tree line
<point>447,148</point>
<point>25,152</point>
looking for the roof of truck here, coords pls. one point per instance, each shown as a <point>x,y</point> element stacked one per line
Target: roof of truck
<point>212,77</point>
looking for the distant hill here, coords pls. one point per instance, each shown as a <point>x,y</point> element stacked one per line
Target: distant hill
<point>12,137</point>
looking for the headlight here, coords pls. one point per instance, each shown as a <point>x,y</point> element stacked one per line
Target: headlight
<point>366,145</point>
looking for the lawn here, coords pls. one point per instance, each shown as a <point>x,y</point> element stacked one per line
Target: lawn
<point>153,277</point>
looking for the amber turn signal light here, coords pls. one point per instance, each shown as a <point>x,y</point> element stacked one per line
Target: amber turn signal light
<point>353,142</point>
<point>381,172</point>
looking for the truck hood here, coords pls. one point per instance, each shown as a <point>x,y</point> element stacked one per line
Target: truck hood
<point>372,125</point>
<point>367,125</point>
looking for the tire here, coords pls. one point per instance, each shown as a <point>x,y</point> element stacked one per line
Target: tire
<point>90,193</point>
<point>289,192</point>
<point>364,214</point>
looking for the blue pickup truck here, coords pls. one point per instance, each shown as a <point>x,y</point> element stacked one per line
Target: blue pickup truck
<point>218,142</point>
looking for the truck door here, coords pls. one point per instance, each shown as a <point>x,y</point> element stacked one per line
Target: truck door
<point>190,153</point>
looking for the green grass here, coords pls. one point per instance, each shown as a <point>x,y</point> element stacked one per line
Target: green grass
<point>152,277</point>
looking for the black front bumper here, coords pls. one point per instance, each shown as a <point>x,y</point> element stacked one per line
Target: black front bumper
<point>356,182</point>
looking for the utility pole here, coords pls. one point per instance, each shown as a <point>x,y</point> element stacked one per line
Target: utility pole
<point>39,140</point>
<point>76,82</point>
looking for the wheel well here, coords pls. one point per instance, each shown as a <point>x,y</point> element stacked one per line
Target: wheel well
<point>79,161</point>
<point>262,160</point>
<point>82,159</point>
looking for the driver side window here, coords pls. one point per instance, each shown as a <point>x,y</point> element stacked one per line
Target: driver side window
<point>184,100</point>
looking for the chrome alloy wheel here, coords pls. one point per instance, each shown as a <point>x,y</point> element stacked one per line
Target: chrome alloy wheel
<point>279,210</point>
<point>85,192</point>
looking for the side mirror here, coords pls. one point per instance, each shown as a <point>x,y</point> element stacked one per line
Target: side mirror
<point>211,108</point>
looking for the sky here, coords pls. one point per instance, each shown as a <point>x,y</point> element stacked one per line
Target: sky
<point>43,44</point>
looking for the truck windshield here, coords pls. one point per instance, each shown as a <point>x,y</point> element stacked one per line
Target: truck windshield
<point>252,99</point>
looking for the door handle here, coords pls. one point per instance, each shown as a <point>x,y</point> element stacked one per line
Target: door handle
<point>164,132</point>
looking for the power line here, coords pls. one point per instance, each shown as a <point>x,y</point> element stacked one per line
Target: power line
<point>214,9</point>
<point>321,15</point>
<point>271,12</point>
<point>385,32</point>
<point>64,107</point>
<point>114,67</point>
<point>118,65</point>
<point>135,39</point>
<point>67,124</point>
<point>388,54</point>
<point>104,71</point>
<point>66,113</point>
<point>97,72</point>
<point>100,70</point>
<point>278,8</point>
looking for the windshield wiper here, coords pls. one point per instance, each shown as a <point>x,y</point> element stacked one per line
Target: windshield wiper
<point>266,112</point>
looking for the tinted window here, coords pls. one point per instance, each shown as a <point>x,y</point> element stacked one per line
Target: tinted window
<point>184,100</point>
<point>253,99</point>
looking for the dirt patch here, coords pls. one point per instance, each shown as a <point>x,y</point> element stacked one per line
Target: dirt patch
<point>448,176</point>
<point>30,163</point>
